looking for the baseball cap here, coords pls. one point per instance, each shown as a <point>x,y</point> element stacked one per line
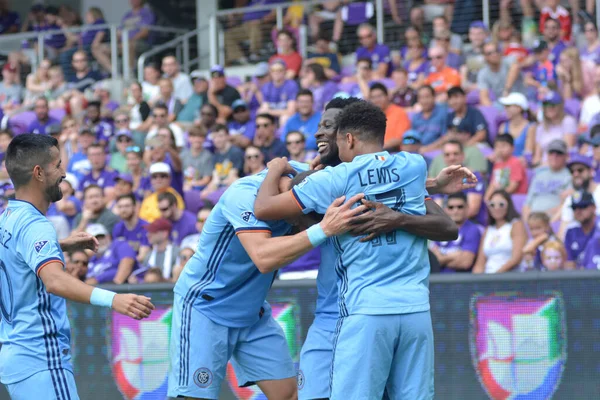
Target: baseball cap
<point>262,69</point>
<point>124,177</point>
<point>72,179</point>
<point>558,146</point>
<point>594,141</point>
<point>515,99</point>
<point>478,24</point>
<point>278,61</point>
<point>411,137</point>
<point>197,74</point>
<point>552,98</point>
<point>217,71</point>
<point>160,168</point>
<point>579,159</point>
<point>160,224</point>
<point>239,103</point>
<point>582,199</point>
<point>96,230</point>
<point>124,132</point>
<point>539,46</point>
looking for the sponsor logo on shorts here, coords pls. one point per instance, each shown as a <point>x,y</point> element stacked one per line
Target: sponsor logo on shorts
<point>203,377</point>
<point>300,378</point>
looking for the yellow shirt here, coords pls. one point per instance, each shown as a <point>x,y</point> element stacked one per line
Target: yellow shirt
<point>149,211</point>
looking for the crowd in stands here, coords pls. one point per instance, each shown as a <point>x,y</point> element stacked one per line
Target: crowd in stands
<point>144,173</point>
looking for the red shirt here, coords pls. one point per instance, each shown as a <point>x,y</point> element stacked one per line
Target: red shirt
<point>292,61</point>
<point>511,170</point>
<point>562,16</point>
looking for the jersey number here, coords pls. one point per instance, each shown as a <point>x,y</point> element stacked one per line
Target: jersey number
<point>6,294</point>
<point>394,199</point>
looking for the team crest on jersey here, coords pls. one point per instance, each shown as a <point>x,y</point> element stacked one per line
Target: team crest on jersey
<point>38,246</point>
<point>248,216</point>
<point>203,377</point>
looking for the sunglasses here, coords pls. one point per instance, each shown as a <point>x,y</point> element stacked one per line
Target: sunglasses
<point>160,115</point>
<point>124,139</point>
<point>162,176</point>
<point>558,153</point>
<point>577,170</point>
<point>436,57</point>
<point>252,156</point>
<point>444,39</point>
<point>122,120</point>
<point>263,125</point>
<point>460,207</point>
<point>294,142</point>
<point>500,204</point>
<point>135,149</point>
<point>82,262</point>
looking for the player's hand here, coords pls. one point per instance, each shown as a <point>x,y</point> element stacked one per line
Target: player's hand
<point>340,216</point>
<point>281,166</point>
<point>377,220</point>
<point>79,241</point>
<point>316,163</point>
<point>455,178</point>
<point>133,305</point>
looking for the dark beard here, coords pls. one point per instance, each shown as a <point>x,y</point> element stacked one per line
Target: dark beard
<point>53,193</point>
<point>332,158</point>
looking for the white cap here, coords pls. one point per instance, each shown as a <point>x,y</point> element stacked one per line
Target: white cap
<point>160,168</point>
<point>72,179</point>
<point>96,230</point>
<point>515,99</point>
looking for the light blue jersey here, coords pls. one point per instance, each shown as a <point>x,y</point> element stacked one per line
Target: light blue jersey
<point>388,275</point>
<point>327,310</point>
<point>34,330</point>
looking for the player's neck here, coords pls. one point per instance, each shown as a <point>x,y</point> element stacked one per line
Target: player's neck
<point>368,148</point>
<point>33,198</point>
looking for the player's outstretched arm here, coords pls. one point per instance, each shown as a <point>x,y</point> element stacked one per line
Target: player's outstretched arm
<point>269,253</point>
<point>435,225</point>
<point>59,283</point>
<point>452,179</point>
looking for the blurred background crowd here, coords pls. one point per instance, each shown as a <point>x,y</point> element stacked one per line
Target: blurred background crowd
<point>517,101</point>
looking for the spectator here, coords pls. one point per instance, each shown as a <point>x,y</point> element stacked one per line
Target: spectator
<point>570,74</point>
<point>168,98</point>
<point>501,249</point>
<point>228,162</point>
<point>150,87</point>
<point>242,127</point>
<point>306,120</point>
<point>327,14</point>
<point>47,20</point>
<point>43,121</point>
<point>77,266</point>
<point>582,180</point>
<point>130,228</point>
<point>440,27</point>
<point>315,80</point>
<point>288,52</point>
<point>69,206</point>
<point>554,256</point>
<point>403,95</point>
<point>140,109</point>
<point>191,110</point>
<point>543,72</point>
<point>10,21</point>
<point>164,253</point>
<point>183,222</point>
<point>499,76</point>
<point>154,275</point>
<point>79,164</point>
<point>208,115</point>
<point>197,162</point>
<point>113,262</point>
<point>454,153</point>
<point>118,159</point>
<point>220,94</point>
<point>578,237</point>
<point>160,120</point>
<point>556,124</point>
<point>123,186</point>
<point>278,96</point>
<point>521,123</point>
<point>121,124</point>
<point>378,53</point>
<point>141,179</point>
<point>363,75</point>
<point>58,93</point>
<point>552,36</point>
<point>11,91</point>
<point>181,82</point>
<point>265,139</point>
<point>508,173</point>
<point>458,255</point>
<point>591,51</point>
<point>323,55</point>
<point>99,175</point>
<point>160,174</point>
<point>84,77</point>
<point>431,121</point>
<point>549,183</point>
<point>296,146</point>
<point>37,83</point>
<point>411,143</point>
<point>162,148</point>
<point>397,119</point>
<point>138,21</point>
<point>591,104</point>
<point>558,14</point>
<point>442,40</point>
<point>94,211</point>
<point>102,94</point>
<point>416,65</point>
<point>102,129</point>
<point>191,241</point>
<point>441,77</point>
<point>254,161</point>
<point>595,144</point>
<point>541,233</point>
<point>466,118</point>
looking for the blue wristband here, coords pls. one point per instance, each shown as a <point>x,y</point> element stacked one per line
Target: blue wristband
<point>316,235</point>
<point>102,298</point>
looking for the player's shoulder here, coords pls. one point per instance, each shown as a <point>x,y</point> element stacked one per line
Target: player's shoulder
<point>410,158</point>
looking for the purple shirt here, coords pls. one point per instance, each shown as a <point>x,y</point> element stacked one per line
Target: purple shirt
<point>586,55</point>
<point>136,237</point>
<point>591,254</point>
<point>135,21</point>
<point>176,177</point>
<point>184,227</point>
<point>104,267</point>
<point>42,128</point>
<point>278,96</point>
<point>52,211</point>
<point>254,15</point>
<point>469,236</point>
<point>306,262</point>
<point>248,129</point>
<point>88,36</point>
<point>576,242</point>
<point>54,40</point>
<point>105,179</point>
<point>103,131</point>
<point>379,54</point>
<point>413,74</point>
<point>555,52</point>
<point>145,184</point>
<point>322,94</point>
<point>8,20</point>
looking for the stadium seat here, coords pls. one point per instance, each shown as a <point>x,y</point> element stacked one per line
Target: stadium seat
<point>519,201</point>
<point>573,107</point>
<point>473,98</point>
<point>490,113</point>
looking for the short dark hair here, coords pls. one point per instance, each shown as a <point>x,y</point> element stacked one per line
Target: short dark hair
<point>594,130</point>
<point>129,196</point>
<point>161,106</point>
<point>96,146</point>
<point>506,138</point>
<point>319,72</point>
<point>90,187</point>
<point>341,103</point>
<point>7,132</point>
<point>400,69</point>
<point>305,92</point>
<point>25,152</point>
<point>428,87</point>
<point>94,103</point>
<point>378,86</point>
<point>557,22</point>
<point>197,130</point>
<point>43,98</point>
<point>267,116</point>
<point>363,120</point>
<point>221,127</point>
<point>458,195</point>
<point>213,108</point>
<point>511,212</point>
<point>170,197</point>
<point>457,143</point>
<point>456,91</point>
<point>367,60</point>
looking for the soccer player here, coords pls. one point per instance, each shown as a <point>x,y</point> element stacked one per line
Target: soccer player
<point>383,283</point>
<point>219,309</point>
<point>316,354</point>
<point>35,359</point>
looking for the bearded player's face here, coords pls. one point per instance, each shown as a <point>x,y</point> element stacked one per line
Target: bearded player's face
<point>326,137</point>
<point>54,174</point>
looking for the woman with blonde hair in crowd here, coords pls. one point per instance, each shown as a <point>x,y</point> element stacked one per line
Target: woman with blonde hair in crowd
<point>541,232</point>
<point>254,161</point>
<point>37,83</point>
<point>570,75</point>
